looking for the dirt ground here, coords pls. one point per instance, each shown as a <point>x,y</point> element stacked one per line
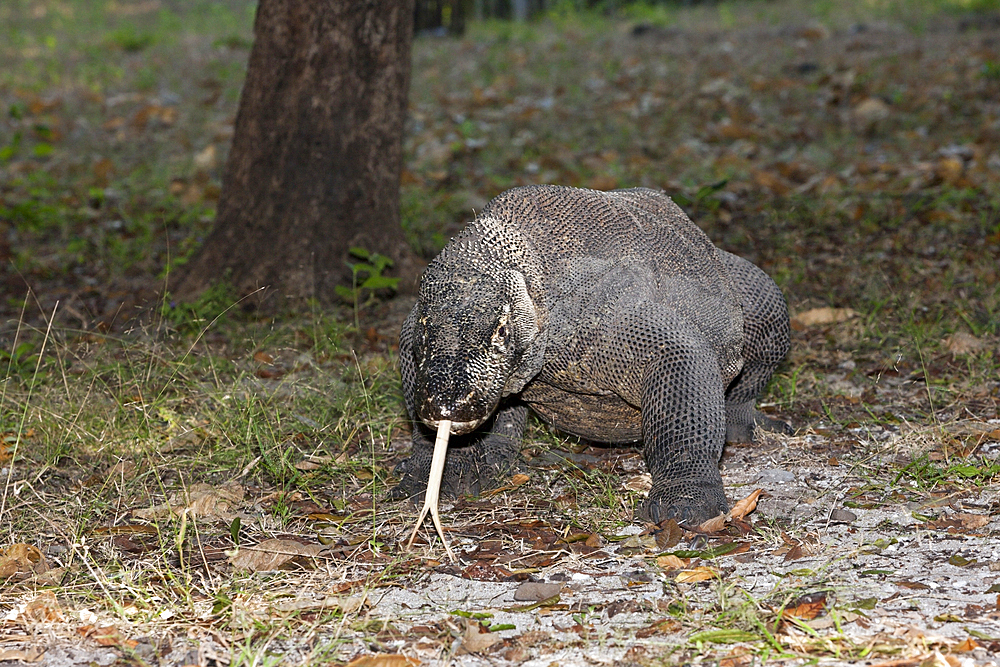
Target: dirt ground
<point>887,582</point>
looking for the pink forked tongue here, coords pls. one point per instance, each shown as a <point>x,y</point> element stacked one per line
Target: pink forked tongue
<point>434,487</point>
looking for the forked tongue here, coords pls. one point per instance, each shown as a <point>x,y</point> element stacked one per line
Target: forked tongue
<point>434,487</point>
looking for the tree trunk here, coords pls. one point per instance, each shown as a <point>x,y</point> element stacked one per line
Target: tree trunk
<point>316,158</point>
<point>520,10</point>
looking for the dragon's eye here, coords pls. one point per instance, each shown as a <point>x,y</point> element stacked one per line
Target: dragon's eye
<point>502,332</point>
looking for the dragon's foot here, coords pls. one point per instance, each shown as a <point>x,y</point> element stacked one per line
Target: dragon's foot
<point>740,427</point>
<point>688,501</point>
<point>467,471</point>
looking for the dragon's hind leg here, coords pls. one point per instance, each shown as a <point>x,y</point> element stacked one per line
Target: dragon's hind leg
<point>765,344</point>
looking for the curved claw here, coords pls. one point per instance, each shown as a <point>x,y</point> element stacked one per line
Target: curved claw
<point>744,432</point>
<point>773,425</point>
<point>690,502</point>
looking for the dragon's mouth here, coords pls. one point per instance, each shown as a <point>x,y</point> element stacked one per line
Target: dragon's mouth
<point>457,428</point>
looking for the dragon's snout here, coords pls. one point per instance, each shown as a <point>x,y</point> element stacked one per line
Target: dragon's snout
<point>465,413</point>
<point>457,428</point>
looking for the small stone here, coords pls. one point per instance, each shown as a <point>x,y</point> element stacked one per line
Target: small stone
<point>949,169</point>
<point>776,476</point>
<point>533,591</point>
<point>870,113</point>
<point>843,516</point>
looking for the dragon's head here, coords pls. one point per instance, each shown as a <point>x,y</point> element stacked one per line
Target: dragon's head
<point>471,343</point>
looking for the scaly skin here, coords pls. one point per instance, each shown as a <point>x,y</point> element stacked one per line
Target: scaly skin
<point>613,317</point>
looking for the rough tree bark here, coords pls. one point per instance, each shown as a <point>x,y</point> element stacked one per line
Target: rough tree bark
<point>316,158</point>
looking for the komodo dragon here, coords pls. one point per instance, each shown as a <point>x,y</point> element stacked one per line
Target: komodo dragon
<point>614,318</point>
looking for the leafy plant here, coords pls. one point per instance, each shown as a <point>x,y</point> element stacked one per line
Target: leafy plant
<point>702,198</point>
<point>366,275</point>
<point>20,361</point>
<point>210,307</point>
<point>8,151</point>
<point>128,38</point>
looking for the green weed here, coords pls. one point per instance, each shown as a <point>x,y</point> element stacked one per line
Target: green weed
<point>130,39</point>
<point>209,309</point>
<point>366,279</point>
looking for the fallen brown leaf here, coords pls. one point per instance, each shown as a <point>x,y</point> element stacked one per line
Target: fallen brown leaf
<point>640,483</point>
<point>476,639</point>
<point>43,609</point>
<point>913,585</point>
<point>201,500</point>
<point>935,659</point>
<point>207,501</point>
<point>668,534</point>
<point>534,591</point>
<point>517,480</point>
<point>960,521</point>
<point>796,552</point>
<point>21,558</point>
<point>9,440</point>
<point>971,521</point>
<point>713,525</point>
<point>345,605</point>
<point>22,655</point>
<point>384,660</point>
<point>745,506</point>
<point>272,555</point>
<point>806,607</point>
<point>696,574</point>
<point>665,626</point>
<point>671,562</point>
<point>821,316</point>
<point>969,644</point>
<point>483,570</point>
<point>106,636</point>
<point>961,343</point>
<point>126,529</point>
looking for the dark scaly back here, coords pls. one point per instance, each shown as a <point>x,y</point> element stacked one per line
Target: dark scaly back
<point>617,305</point>
<point>639,236</point>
